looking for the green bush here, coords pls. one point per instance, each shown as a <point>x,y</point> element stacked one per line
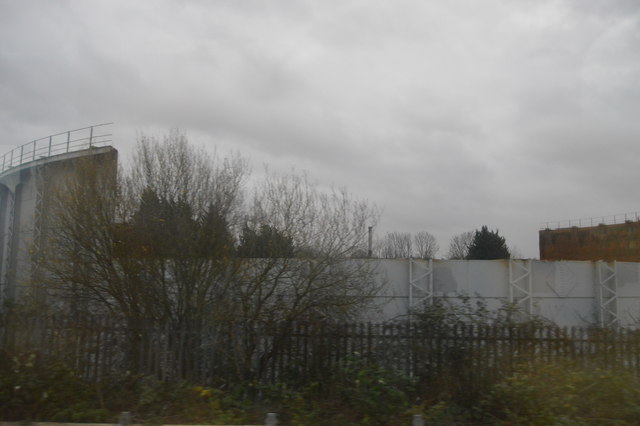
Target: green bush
<point>356,393</point>
<point>34,390</point>
<point>31,389</point>
<point>565,394</point>
<point>154,401</point>
<point>441,413</point>
<point>375,392</point>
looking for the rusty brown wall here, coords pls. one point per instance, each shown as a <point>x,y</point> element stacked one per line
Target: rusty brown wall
<point>604,242</point>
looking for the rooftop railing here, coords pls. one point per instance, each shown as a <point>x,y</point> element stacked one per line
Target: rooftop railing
<point>593,221</point>
<point>97,135</point>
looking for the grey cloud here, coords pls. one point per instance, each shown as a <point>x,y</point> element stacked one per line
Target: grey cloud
<point>451,115</point>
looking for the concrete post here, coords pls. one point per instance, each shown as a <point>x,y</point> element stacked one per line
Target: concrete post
<point>125,418</point>
<point>417,420</point>
<point>271,420</point>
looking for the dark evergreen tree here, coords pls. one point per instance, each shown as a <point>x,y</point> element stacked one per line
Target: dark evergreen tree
<point>170,229</point>
<point>214,236</point>
<point>265,242</point>
<point>488,245</point>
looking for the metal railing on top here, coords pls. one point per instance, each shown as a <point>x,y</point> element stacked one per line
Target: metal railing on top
<point>73,140</point>
<point>593,221</point>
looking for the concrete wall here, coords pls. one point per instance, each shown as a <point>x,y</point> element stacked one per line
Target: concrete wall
<point>565,292</point>
<point>604,242</point>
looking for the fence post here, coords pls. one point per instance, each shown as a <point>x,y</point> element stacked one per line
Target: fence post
<point>271,420</point>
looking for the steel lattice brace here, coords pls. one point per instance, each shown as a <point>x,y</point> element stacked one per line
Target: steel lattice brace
<point>520,285</point>
<point>607,293</point>
<point>420,282</point>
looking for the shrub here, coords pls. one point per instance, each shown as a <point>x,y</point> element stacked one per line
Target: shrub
<point>563,393</point>
<point>31,389</point>
<point>375,392</point>
<point>154,401</point>
<point>356,393</point>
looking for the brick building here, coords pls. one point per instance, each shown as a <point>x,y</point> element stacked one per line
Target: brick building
<point>617,241</point>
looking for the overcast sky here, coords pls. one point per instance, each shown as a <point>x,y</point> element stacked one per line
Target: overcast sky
<point>449,114</point>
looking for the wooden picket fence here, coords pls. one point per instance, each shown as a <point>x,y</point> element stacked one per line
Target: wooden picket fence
<point>97,347</point>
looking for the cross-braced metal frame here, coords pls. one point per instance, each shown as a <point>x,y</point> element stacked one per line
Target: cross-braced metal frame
<point>521,285</point>
<point>607,291</point>
<point>420,282</point>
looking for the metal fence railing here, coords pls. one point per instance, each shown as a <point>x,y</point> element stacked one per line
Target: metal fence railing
<point>73,140</point>
<point>97,346</point>
<point>593,221</point>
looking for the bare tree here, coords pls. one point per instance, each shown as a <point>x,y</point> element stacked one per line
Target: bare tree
<point>396,245</point>
<point>315,278</point>
<point>177,171</point>
<point>400,245</point>
<point>459,246</point>
<point>425,245</point>
<point>325,229</point>
<point>160,243</point>
<point>150,244</point>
